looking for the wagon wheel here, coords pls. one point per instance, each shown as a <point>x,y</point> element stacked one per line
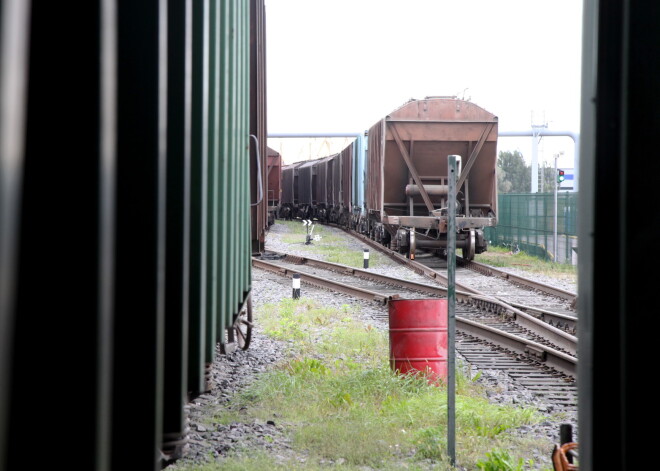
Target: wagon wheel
<point>468,250</point>
<point>242,328</point>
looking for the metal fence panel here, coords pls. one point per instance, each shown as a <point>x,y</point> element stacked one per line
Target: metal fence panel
<point>527,220</point>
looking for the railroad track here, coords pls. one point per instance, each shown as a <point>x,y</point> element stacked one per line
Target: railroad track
<point>490,333</point>
<point>547,303</point>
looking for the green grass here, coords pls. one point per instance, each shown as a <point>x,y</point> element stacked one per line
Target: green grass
<point>501,460</point>
<point>347,407</point>
<point>502,257</point>
<point>332,247</point>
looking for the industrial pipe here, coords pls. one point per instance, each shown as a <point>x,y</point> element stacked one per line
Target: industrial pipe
<point>431,190</point>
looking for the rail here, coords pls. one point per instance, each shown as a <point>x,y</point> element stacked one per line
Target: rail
<point>561,361</point>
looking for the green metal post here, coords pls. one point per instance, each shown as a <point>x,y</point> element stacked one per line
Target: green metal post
<point>451,311</point>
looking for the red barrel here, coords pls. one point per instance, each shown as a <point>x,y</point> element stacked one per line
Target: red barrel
<point>418,337</point>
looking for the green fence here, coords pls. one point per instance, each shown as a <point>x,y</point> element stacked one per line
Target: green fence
<point>527,220</point>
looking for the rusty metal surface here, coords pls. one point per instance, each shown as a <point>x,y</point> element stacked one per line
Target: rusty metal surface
<point>331,171</point>
<point>411,146</point>
<point>344,193</point>
<point>305,190</point>
<point>320,181</point>
<point>258,125</point>
<point>274,171</point>
<point>289,188</point>
<point>375,154</point>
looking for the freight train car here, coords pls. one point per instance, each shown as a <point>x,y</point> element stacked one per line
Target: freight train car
<point>273,190</point>
<point>289,196</point>
<point>257,119</point>
<point>308,188</point>
<point>125,241</point>
<point>340,196</point>
<point>406,188</point>
<point>393,186</point>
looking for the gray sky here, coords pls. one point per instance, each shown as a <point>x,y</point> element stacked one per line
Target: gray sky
<point>341,65</point>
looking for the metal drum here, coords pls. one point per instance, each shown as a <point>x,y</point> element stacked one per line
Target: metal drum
<point>418,337</point>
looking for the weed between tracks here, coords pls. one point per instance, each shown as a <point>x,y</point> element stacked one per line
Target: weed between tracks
<point>346,409</point>
<point>502,257</point>
<point>333,247</point>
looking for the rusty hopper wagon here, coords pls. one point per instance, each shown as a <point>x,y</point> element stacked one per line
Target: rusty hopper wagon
<point>407,188</point>
<point>274,179</point>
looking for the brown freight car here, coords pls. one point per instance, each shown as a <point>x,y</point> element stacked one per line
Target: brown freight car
<point>258,127</point>
<point>273,190</point>
<point>339,199</point>
<point>406,188</point>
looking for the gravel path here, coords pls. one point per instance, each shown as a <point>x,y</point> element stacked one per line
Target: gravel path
<point>232,372</point>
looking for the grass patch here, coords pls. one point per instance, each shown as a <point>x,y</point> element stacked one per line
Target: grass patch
<point>260,461</point>
<point>350,409</point>
<point>502,257</point>
<point>332,247</point>
<point>501,460</point>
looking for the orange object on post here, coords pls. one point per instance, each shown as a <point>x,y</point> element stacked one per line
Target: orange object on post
<point>418,337</point>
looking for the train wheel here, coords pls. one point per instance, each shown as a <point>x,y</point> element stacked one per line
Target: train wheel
<point>240,333</point>
<point>412,244</point>
<point>243,326</point>
<point>468,250</point>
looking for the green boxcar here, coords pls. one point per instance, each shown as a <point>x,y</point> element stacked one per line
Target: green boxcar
<point>128,179</point>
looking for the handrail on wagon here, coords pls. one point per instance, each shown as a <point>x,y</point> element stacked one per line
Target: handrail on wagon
<point>260,182</point>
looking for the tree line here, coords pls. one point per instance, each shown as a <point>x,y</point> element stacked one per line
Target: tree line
<point>514,176</point>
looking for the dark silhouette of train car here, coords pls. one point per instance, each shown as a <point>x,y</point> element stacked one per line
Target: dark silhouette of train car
<point>125,214</point>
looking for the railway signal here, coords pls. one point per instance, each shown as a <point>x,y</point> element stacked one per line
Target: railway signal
<point>560,176</point>
<point>310,228</point>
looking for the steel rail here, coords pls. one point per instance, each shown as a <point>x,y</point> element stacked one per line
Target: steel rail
<point>568,323</point>
<point>322,282</point>
<point>490,271</point>
<point>519,313</point>
<point>433,290</point>
<point>550,356</point>
<point>562,321</point>
<point>485,269</point>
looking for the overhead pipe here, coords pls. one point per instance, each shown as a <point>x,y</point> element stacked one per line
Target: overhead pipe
<point>544,132</point>
<point>526,133</point>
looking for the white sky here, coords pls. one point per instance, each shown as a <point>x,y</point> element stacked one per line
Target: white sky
<point>341,65</point>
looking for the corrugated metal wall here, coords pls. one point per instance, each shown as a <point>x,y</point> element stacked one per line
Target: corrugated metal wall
<point>274,172</point>
<point>345,196</point>
<point>359,171</point>
<point>373,187</point>
<point>258,127</point>
<point>125,214</point>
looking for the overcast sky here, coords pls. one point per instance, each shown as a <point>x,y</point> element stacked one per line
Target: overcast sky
<point>341,65</point>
